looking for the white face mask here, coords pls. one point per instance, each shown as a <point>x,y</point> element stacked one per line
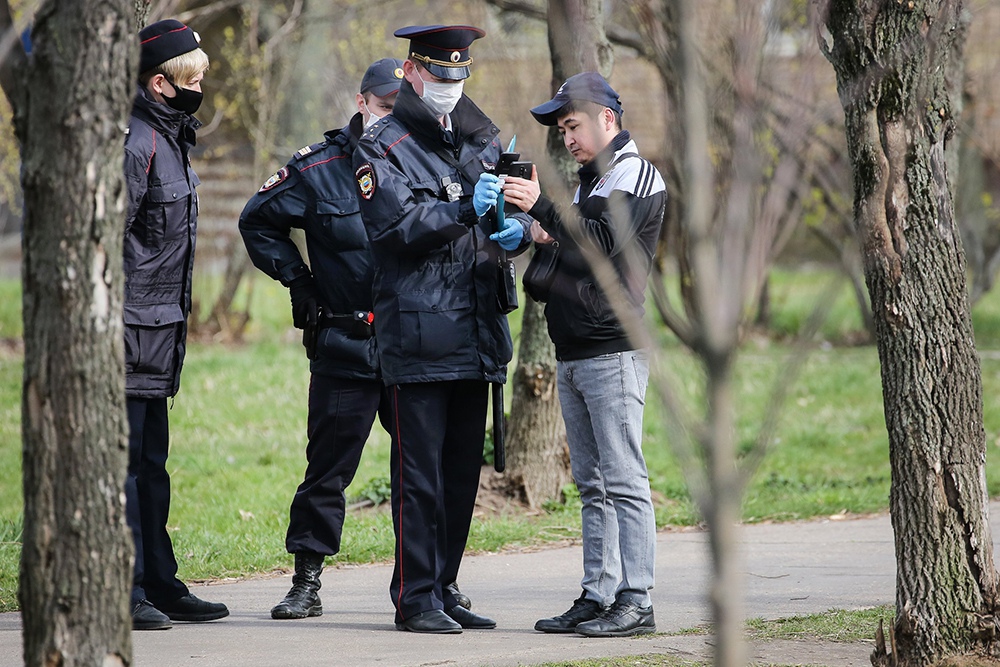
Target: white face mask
<point>441,98</point>
<point>372,118</point>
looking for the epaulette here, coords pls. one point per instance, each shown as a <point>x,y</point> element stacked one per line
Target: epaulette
<point>306,151</point>
<point>372,132</point>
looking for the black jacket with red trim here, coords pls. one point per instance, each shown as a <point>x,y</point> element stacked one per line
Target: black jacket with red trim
<point>316,192</point>
<point>436,275</point>
<point>618,210</point>
<point>160,227</point>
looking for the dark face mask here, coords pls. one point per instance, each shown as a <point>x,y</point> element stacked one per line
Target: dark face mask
<point>184,100</point>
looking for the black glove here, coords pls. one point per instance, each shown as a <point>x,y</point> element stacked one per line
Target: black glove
<point>305,302</point>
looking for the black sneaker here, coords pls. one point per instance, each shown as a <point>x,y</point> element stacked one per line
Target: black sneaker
<point>582,610</point>
<point>622,619</point>
<point>191,608</point>
<point>147,617</point>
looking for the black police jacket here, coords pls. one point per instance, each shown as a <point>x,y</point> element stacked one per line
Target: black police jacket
<point>316,192</point>
<point>160,227</point>
<point>619,207</point>
<point>436,276</point>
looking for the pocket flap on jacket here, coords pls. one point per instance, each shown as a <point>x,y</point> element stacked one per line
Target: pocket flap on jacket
<point>345,206</point>
<point>161,194</point>
<point>156,315</point>
<point>435,300</point>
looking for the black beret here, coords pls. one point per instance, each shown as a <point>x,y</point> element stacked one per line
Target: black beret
<point>442,49</point>
<point>163,41</point>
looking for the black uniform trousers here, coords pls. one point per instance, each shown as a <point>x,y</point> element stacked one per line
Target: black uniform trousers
<point>147,502</point>
<point>341,414</point>
<point>437,433</point>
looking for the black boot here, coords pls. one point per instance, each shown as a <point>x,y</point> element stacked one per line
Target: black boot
<point>303,599</point>
<point>461,599</point>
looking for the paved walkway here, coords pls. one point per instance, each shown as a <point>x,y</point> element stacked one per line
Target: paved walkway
<point>790,569</point>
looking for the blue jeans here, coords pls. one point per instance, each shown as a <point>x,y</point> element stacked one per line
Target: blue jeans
<point>602,401</point>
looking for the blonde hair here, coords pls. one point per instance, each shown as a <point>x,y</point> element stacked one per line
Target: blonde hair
<point>181,68</point>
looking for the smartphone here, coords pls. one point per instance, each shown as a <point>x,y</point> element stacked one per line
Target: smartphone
<point>504,163</point>
<point>520,169</point>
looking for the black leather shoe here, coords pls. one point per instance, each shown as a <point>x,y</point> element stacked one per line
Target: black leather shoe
<point>147,617</point>
<point>434,622</point>
<point>461,599</point>
<point>191,608</point>
<point>622,619</point>
<point>582,610</point>
<point>470,620</point>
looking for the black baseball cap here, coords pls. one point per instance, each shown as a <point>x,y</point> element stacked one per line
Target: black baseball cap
<point>163,41</point>
<point>583,87</point>
<point>442,49</point>
<point>382,77</point>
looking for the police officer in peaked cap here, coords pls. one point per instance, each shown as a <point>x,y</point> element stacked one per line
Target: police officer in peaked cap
<point>332,302</point>
<point>428,204</point>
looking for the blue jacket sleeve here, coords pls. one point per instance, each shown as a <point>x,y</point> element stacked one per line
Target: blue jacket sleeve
<point>136,184</point>
<point>266,224</point>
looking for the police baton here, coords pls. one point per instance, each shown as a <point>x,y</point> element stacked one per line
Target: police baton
<point>499,454</point>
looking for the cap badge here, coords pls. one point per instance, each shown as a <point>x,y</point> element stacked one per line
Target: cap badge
<point>398,72</point>
<point>455,56</point>
<point>366,180</point>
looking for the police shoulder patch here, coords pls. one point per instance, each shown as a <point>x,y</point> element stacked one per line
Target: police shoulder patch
<point>366,180</point>
<point>276,178</point>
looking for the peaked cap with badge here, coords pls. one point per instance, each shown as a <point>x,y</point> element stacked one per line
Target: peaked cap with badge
<point>442,49</point>
<point>382,78</point>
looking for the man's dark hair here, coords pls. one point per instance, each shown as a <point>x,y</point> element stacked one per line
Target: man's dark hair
<point>592,109</point>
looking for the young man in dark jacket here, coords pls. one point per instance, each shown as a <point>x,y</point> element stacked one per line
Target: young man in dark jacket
<point>441,333</point>
<point>617,213</point>
<point>159,253</point>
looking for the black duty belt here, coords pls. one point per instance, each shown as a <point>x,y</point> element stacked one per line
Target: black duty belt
<point>356,325</point>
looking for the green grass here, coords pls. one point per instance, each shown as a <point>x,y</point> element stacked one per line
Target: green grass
<point>238,440</point>
<point>836,625</point>
<point>10,309</point>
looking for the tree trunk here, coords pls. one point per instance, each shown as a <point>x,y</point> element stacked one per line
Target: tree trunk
<point>72,99</point>
<point>537,458</point>
<point>890,60</point>
<point>141,9</point>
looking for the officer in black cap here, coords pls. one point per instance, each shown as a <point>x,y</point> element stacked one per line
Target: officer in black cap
<point>332,302</point>
<point>425,192</point>
<point>159,245</point>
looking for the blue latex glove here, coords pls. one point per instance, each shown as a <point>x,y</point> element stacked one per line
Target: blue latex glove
<point>510,236</point>
<point>486,193</point>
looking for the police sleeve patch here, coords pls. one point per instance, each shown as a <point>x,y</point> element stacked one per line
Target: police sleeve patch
<point>276,178</point>
<point>366,180</point>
